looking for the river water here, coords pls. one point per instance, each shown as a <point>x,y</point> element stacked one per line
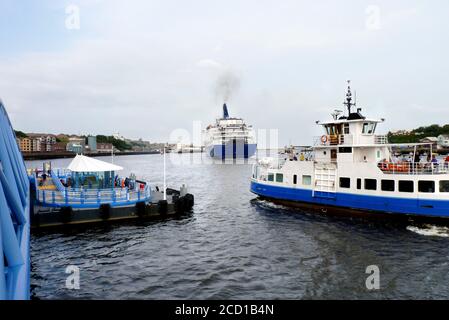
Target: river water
<point>234,246</point>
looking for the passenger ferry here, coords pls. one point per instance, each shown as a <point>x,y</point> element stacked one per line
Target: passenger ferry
<point>229,138</point>
<point>351,168</point>
<point>91,191</point>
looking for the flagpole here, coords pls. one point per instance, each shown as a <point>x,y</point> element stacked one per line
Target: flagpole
<point>165,181</point>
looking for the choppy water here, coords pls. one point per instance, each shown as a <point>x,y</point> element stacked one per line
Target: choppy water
<point>234,246</point>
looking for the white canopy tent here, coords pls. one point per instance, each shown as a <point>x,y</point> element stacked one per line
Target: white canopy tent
<point>85,164</point>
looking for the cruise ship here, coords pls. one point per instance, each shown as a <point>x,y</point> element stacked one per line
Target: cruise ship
<point>229,138</point>
<point>351,169</point>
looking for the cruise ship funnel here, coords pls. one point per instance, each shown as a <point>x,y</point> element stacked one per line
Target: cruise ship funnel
<point>225,111</point>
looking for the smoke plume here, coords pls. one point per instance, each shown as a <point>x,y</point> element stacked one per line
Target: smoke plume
<point>227,85</point>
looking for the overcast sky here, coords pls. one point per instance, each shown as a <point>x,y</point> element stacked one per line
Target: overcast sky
<point>145,68</point>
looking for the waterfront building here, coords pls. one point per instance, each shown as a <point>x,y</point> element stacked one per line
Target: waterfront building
<point>443,140</point>
<point>74,147</point>
<point>37,145</point>
<point>92,143</point>
<point>41,142</point>
<point>430,140</point>
<point>25,145</point>
<point>60,147</point>
<point>105,147</point>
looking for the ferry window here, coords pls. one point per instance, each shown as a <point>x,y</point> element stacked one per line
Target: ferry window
<point>387,185</point>
<point>307,180</point>
<point>279,177</point>
<point>426,186</point>
<point>444,186</point>
<point>369,128</point>
<point>295,179</point>
<point>345,182</point>
<point>345,150</point>
<point>370,184</point>
<point>359,183</point>
<point>346,128</point>
<point>331,130</point>
<point>270,177</point>
<point>406,186</point>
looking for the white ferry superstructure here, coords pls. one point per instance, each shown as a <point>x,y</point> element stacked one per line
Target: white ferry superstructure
<point>353,168</point>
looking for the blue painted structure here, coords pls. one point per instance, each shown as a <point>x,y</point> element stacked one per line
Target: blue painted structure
<point>232,150</point>
<point>14,216</point>
<point>418,207</point>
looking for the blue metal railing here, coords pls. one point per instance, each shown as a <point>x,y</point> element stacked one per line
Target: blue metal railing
<point>62,196</point>
<point>14,216</point>
<point>92,198</point>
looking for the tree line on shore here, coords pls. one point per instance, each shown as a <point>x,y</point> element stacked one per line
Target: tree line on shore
<point>415,135</point>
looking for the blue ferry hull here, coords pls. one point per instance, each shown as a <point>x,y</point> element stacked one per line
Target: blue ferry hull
<point>232,150</point>
<point>390,205</point>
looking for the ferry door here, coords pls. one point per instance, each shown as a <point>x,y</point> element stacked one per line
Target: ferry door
<point>334,155</point>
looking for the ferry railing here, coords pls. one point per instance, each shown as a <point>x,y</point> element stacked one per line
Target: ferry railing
<point>14,216</point>
<point>61,173</point>
<point>114,196</point>
<point>260,169</point>
<point>333,140</point>
<point>414,168</point>
<point>345,139</point>
<point>380,139</point>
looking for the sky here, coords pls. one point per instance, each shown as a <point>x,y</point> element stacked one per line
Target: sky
<point>149,69</point>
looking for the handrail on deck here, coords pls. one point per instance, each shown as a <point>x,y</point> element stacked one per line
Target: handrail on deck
<point>14,216</point>
<point>333,140</point>
<point>345,140</point>
<point>414,168</point>
<point>114,196</point>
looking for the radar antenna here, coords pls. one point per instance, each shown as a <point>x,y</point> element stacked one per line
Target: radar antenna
<point>336,113</point>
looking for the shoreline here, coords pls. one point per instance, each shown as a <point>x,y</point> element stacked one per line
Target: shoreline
<point>66,155</point>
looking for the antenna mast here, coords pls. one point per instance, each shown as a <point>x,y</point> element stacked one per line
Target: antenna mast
<point>348,103</point>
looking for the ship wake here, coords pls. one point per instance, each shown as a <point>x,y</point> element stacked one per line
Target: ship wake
<point>430,230</point>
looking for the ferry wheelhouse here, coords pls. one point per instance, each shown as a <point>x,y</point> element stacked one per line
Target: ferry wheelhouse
<point>229,138</point>
<point>350,167</point>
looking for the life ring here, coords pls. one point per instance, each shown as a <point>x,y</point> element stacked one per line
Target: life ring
<point>324,139</point>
